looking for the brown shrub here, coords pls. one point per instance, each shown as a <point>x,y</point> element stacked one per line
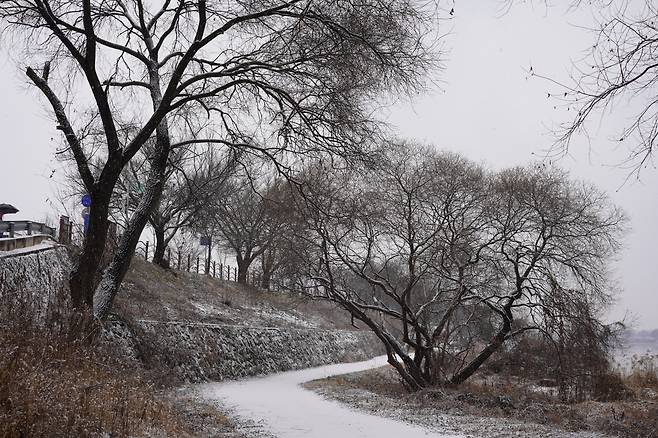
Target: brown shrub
<point>54,383</point>
<point>610,387</point>
<point>51,387</point>
<point>644,372</point>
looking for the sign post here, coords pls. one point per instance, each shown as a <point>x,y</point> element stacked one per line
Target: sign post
<point>86,202</point>
<point>207,241</point>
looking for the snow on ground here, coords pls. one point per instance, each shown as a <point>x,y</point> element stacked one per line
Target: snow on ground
<point>270,313</point>
<point>206,309</point>
<point>277,405</point>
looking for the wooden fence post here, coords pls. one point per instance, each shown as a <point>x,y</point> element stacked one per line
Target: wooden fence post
<point>221,271</point>
<point>235,274</point>
<point>197,264</point>
<point>146,251</point>
<point>64,227</point>
<point>214,265</point>
<point>188,262</point>
<point>179,259</point>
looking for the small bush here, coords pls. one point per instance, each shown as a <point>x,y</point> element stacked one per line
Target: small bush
<point>610,387</point>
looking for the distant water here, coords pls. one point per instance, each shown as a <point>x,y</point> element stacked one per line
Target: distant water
<point>636,344</point>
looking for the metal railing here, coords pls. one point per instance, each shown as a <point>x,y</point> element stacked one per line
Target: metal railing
<point>11,228</point>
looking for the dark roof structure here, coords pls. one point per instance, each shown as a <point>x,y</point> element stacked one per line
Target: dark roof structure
<point>7,209</point>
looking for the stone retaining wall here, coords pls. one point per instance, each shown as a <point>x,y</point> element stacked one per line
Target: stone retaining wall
<point>194,352</point>
<point>36,282</point>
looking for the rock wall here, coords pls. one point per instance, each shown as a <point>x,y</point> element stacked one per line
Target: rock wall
<point>34,280</point>
<point>43,267</point>
<point>201,352</point>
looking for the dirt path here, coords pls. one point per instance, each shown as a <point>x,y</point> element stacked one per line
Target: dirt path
<point>277,405</point>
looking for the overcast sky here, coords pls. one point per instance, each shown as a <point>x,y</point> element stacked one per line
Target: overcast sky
<point>486,108</point>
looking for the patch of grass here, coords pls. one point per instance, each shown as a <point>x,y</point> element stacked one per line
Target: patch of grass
<point>644,372</point>
<point>52,387</point>
<point>152,292</point>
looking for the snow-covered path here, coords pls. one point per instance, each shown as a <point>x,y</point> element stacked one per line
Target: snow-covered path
<point>286,410</point>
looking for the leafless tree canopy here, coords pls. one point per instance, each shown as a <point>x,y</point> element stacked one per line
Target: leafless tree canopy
<point>620,68</point>
<point>445,261</point>
<point>196,174</point>
<point>277,78</point>
<point>302,67</point>
<point>246,219</point>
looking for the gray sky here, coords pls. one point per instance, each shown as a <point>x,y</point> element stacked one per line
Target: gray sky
<point>487,108</point>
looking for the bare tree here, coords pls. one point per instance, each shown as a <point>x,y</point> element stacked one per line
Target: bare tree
<point>247,220</point>
<point>445,263</point>
<point>578,344</point>
<point>194,176</point>
<point>283,262</point>
<point>275,78</point>
<point>281,251</point>
<point>555,234</point>
<point>621,67</point>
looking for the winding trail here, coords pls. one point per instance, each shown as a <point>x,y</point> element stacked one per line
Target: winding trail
<point>281,407</point>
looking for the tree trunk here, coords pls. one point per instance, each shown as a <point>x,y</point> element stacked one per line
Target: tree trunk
<point>267,266</point>
<point>243,269</point>
<point>208,256</point>
<point>492,346</point>
<point>266,280</point>
<point>84,277</point>
<point>411,374</point>
<point>160,245</point>
<point>116,271</point>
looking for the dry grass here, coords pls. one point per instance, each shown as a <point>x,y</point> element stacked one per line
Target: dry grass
<point>53,387</point>
<point>152,292</point>
<point>56,383</point>
<point>644,372</point>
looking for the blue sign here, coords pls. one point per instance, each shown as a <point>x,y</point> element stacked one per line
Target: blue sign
<point>86,200</point>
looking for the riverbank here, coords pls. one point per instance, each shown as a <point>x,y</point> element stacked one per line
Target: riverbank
<point>491,410</point>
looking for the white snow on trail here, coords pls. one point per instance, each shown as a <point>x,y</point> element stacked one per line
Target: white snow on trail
<point>283,408</point>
